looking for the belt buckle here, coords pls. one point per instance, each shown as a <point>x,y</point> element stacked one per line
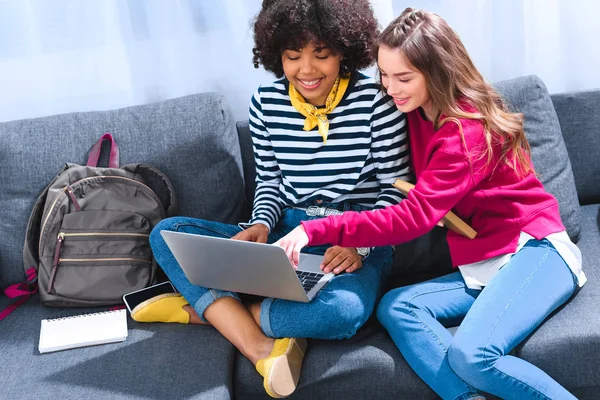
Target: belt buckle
<point>315,211</point>
<point>332,211</point>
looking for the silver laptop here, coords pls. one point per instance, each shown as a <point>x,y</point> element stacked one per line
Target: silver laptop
<point>246,267</point>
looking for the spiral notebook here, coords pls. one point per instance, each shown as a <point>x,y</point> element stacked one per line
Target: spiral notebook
<point>83,330</point>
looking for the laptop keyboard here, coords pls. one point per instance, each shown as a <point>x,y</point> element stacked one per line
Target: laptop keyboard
<point>308,279</point>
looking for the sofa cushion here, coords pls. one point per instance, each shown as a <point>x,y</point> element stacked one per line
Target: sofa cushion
<point>529,96</point>
<point>579,116</point>
<point>156,361</point>
<point>245,138</point>
<point>421,259</point>
<point>567,345</point>
<point>368,368</point>
<point>192,139</point>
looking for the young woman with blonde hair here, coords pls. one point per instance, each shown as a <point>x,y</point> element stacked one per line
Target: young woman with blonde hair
<point>470,155</point>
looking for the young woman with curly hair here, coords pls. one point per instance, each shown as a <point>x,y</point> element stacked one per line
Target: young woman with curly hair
<point>469,154</point>
<point>326,140</point>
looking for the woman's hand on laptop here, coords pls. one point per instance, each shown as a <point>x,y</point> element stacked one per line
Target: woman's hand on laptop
<point>292,243</point>
<point>339,259</point>
<point>256,233</point>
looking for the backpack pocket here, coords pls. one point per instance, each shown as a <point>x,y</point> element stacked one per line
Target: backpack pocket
<point>100,255</point>
<point>99,279</point>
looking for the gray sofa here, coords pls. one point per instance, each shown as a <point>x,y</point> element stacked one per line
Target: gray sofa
<point>208,156</point>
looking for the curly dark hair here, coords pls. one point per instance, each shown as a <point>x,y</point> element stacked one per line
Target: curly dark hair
<point>348,27</point>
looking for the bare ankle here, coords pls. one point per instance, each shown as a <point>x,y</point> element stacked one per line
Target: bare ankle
<point>194,317</point>
<point>261,349</point>
<point>234,321</point>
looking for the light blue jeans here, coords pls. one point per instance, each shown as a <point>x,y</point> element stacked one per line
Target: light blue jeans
<point>338,310</point>
<point>496,319</point>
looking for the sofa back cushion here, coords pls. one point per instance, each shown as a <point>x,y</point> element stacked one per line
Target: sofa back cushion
<point>529,96</point>
<point>579,116</point>
<point>192,139</point>
<point>248,162</point>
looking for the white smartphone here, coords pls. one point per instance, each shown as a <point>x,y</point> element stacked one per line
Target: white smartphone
<point>132,299</point>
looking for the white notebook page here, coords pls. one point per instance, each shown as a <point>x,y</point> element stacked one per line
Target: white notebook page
<point>83,330</point>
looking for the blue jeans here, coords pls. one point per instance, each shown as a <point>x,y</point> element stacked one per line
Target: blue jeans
<point>336,312</point>
<point>496,319</point>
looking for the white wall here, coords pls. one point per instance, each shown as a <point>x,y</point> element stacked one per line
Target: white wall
<point>72,55</point>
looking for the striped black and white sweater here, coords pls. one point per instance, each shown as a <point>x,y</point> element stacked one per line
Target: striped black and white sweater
<point>366,150</point>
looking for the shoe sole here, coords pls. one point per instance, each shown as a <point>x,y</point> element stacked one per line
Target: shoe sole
<point>285,373</point>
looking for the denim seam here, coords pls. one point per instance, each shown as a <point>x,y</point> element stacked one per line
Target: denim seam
<point>428,328</point>
<point>422,293</point>
<point>410,304</point>
<point>218,232</point>
<point>485,347</point>
<point>265,317</point>
<point>523,383</point>
<point>432,332</point>
<point>203,300</point>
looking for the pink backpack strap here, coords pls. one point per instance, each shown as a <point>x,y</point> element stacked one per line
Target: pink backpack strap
<point>94,156</point>
<point>20,291</point>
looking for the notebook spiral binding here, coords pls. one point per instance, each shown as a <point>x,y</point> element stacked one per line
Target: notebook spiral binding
<point>88,314</point>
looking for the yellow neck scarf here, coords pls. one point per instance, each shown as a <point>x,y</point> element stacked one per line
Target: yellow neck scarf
<point>317,116</point>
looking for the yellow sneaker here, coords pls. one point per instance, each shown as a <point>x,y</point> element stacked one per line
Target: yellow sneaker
<point>281,369</point>
<point>165,307</point>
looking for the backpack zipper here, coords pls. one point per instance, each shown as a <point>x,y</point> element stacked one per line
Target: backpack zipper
<point>61,238</point>
<point>70,187</point>
<point>103,259</point>
<point>73,198</point>
<point>64,234</point>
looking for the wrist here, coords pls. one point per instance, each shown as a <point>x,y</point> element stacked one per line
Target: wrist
<point>260,226</point>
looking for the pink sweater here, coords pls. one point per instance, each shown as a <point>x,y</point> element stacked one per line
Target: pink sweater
<point>498,206</point>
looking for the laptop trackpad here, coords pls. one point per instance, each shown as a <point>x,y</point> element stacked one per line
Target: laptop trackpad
<point>310,263</point>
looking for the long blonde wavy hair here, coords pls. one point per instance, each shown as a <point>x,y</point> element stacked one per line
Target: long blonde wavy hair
<point>435,50</point>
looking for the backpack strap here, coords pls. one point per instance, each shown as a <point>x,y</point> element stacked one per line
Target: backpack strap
<point>24,290</point>
<point>113,161</point>
<point>32,233</point>
<point>152,174</point>
<point>20,291</point>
